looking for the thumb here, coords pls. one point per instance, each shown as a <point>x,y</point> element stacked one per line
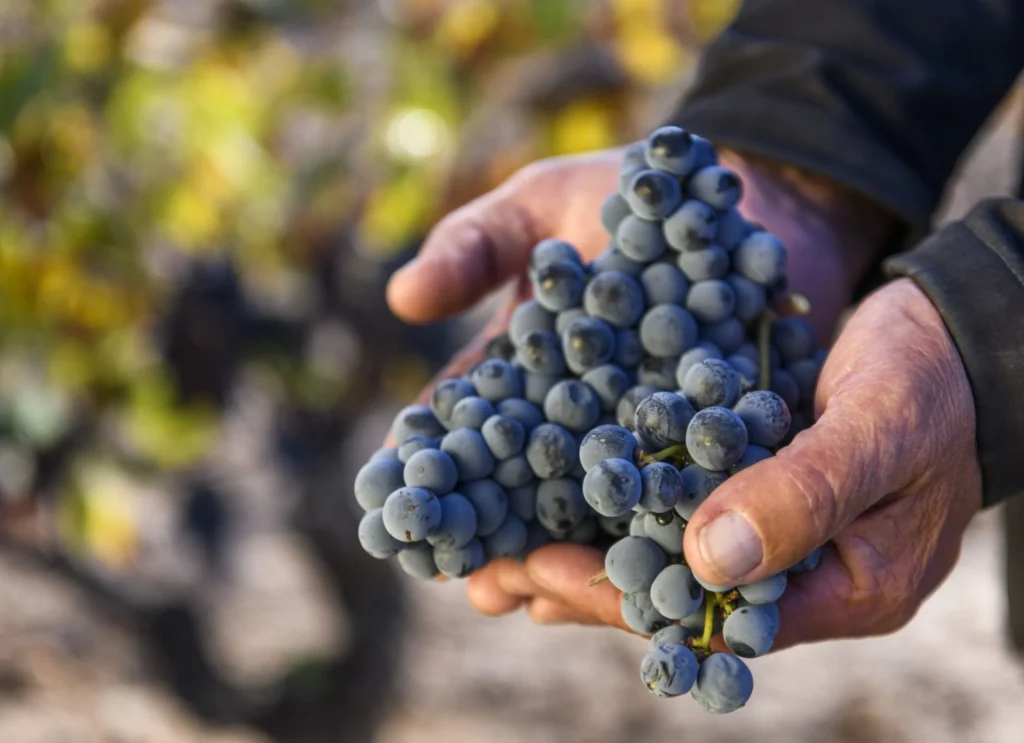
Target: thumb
<point>770,516</point>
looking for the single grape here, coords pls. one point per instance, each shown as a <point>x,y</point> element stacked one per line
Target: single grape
<point>522,501</point>
<point>625,411</point>
<point>636,525</point>
<point>662,420</point>
<point>431,469</point>
<point>410,514</point>
<point>715,186</point>
<point>552,451</point>
<point>761,258</point>
<point>663,283</point>
<point>529,317</point>
<point>765,416</point>
<point>514,472</point>
<point>560,504</point>
<point>640,239</point>
<point>658,372</point>
<point>467,448</point>
<point>490,503</point>
<point>805,374</point>
<point>666,530</point>
<point>676,593</point>
<point>632,564</point>
<point>732,228</point>
<point>609,383</point>
<point>711,383</point>
<point>628,350</point>
<point>705,154</point>
<point>375,540</point>
<point>559,285</point>
<point>674,634</point>
<point>615,297</point>
<point>385,454</point>
<point>747,370</point>
<point>794,337</point>
<point>587,344</point>
<point>573,405</point>
<point>518,409</point>
<point>565,318</point>
<point>669,670</point>
<point>616,526</point>
<point>728,335</point>
<point>459,563</point>
<point>662,487</point>
<point>667,330</point>
<point>613,211</point>
<point>711,301</point>
<point>613,259</point>
<point>551,251</point>
<point>749,631</point>
<point>505,437</point>
<point>694,623</point>
<point>692,226</point>
<point>416,419</point>
<point>500,347</point>
<point>701,352</point>
<point>509,540</point>
<point>458,523</point>
<point>783,384</point>
<point>640,615</point>
<point>716,438</point>
<point>671,148</point>
<point>653,194</point>
<point>613,487</point>
<point>702,264</point>
<point>809,563</point>
<point>766,591</point>
<point>606,442</point>
<point>751,456</point>
<point>724,683</point>
<point>496,380</point>
<point>375,481</point>
<point>416,443</point>
<point>750,298</point>
<point>470,412</point>
<point>537,386</point>
<point>698,483</point>
<point>445,397</point>
<point>418,561</point>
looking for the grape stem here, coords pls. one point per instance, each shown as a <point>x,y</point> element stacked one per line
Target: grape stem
<point>791,304</point>
<point>703,645</point>
<point>678,451</point>
<point>598,577</point>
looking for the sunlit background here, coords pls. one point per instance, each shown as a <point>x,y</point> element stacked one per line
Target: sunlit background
<point>200,203</point>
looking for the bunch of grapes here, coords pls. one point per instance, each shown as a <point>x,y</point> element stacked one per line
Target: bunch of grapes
<point>621,396</point>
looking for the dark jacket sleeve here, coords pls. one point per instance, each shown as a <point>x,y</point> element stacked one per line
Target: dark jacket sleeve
<point>881,95</point>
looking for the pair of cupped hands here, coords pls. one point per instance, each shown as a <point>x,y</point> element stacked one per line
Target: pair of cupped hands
<point>886,479</point>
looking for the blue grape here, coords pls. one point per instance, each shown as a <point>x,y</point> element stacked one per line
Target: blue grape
<point>636,525</point>
<point>749,631</point>
<point>751,299</point>
<point>559,285</point>
<point>658,372</point>
<point>459,563</point>
<point>766,591</point>
<point>711,383</point>
<point>445,397</point>
<point>416,419</point>
<point>560,504</point>
<point>431,469</point>
<point>551,251</point>
<point>639,239</point>
<point>698,484</point>
<point>458,523</point>
<point>629,351</point>
<point>675,593</point>
<point>615,297</point>
<point>662,487</point>
<point>490,503</point>
<point>613,259</point>
<point>385,454</point>
<point>715,186</point>
<point>783,384</point>
<point>711,301</point>
<point>662,420</point>
<point>613,210</point>
<point>705,154</point>
<point>606,442</point>
<point>761,258</point>
<point>794,337</point>
<point>500,347</point>
<point>640,615</point>
<point>613,487</point>
<point>653,194</point>
<point>728,335</point>
<point>616,526</point>
<point>573,405</point>
<point>588,343</point>
<point>694,623</point>
<point>509,540</point>
<point>470,412</point>
<point>418,561</point>
<point>522,501</point>
<point>552,451</point>
<point>505,437</point>
<point>665,530</point>
<point>667,330</point>
<point>609,383</point>
<point>375,481</point>
<point>751,456</point>
<point>537,386</point>
<point>711,262</point>
<point>716,438</point>
<point>663,283</point>
<point>724,683</point>
<point>701,352</point>
<point>669,670</point>
<point>809,563</point>
<point>674,634</point>
<point>416,443</point>
<point>468,449</point>
<point>692,226</point>
<point>632,564</point>
<point>529,317</point>
<point>518,409</point>
<point>732,228</point>
<point>632,163</point>
<point>514,472</point>
<point>496,380</point>
<point>565,318</point>
<point>805,374</point>
<point>765,416</point>
<point>375,539</point>
<point>671,148</point>
<point>625,411</point>
<point>410,514</point>
<point>751,351</point>
<point>747,370</point>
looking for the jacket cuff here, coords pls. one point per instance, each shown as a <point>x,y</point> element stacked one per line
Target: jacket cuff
<point>973,272</point>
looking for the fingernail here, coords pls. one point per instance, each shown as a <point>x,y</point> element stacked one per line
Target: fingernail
<point>731,546</point>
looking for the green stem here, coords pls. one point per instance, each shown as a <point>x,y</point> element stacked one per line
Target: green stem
<point>764,344</point>
<point>679,450</point>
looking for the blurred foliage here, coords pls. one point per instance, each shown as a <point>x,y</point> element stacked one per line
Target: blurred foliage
<point>138,137</point>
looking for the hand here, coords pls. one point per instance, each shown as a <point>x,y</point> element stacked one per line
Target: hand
<point>889,473</point>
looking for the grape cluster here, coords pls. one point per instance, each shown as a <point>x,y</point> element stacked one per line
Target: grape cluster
<point>624,392</point>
